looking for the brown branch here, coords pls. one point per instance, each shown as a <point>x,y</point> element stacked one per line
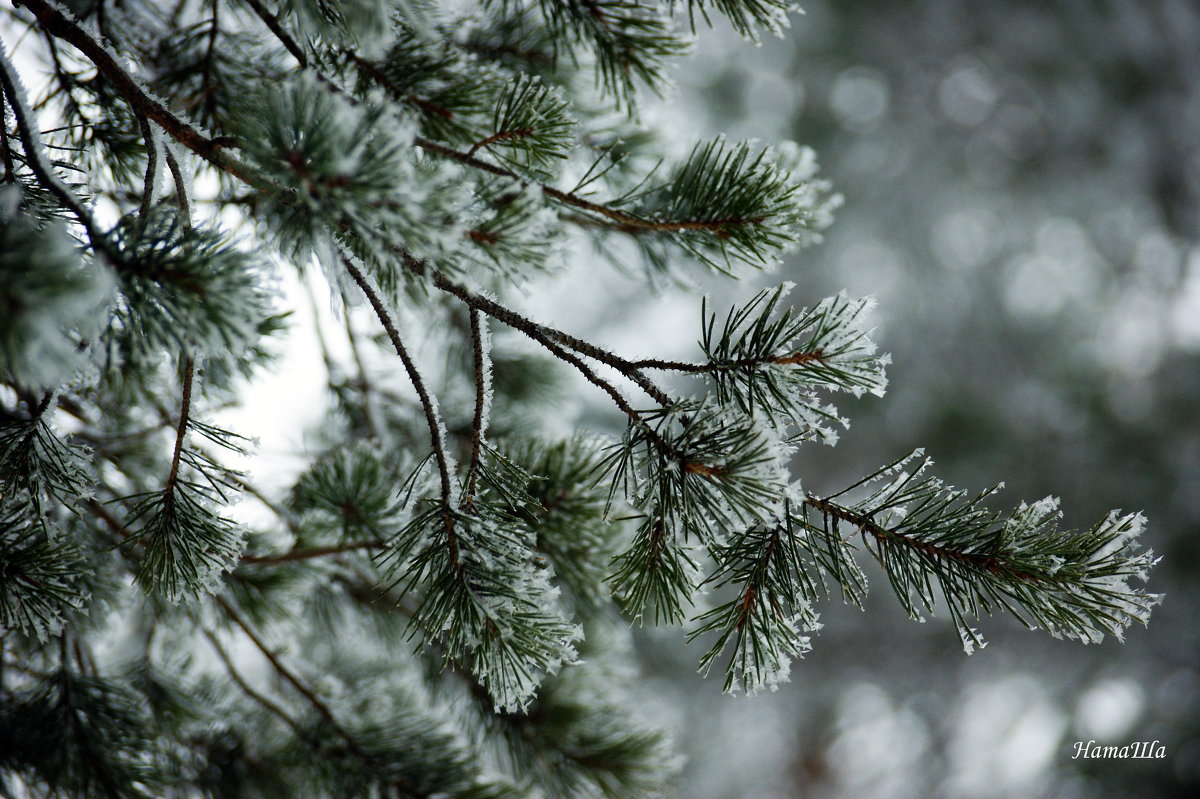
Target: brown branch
<point>362,384</point>
<point>272,23</point>
<point>612,218</point>
<point>478,421</point>
<point>181,197</point>
<point>207,90</point>
<point>431,417</point>
<point>151,178</point>
<point>868,526</point>
<point>314,552</point>
<point>795,359</point>
<point>504,135</point>
<point>181,430</point>
<point>496,52</point>
<point>717,226</point>
<point>372,70</point>
<point>10,171</point>
<point>106,516</point>
<point>55,23</point>
<point>260,698</point>
<point>604,386</point>
<point>750,597</point>
<point>287,674</point>
<point>541,333</point>
<point>31,142</point>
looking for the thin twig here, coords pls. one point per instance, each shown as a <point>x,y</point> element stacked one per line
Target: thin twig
<point>795,359</point>
<point>541,332</point>
<point>363,385</point>
<point>319,330</point>
<point>10,171</point>
<point>151,180</point>
<point>110,521</point>
<point>56,23</point>
<point>272,23</point>
<point>181,196</point>
<point>294,681</point>
<point>260,698</point>
<point>481,387</point>
<point>207,90</point>
<point>495,138</point>
<point>181,430</point>
<point>35,159</point>
<point>431,415</point>
<point>314,552</point>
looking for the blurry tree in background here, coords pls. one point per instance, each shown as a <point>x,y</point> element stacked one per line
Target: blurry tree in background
<point>438,601</point>
<point>1022,184</point>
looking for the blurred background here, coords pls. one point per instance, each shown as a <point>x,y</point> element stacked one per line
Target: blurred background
<point>1022,194</point>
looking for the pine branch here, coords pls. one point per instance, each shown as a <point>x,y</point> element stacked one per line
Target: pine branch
<point>610,217</point>
<point>181,195</point>
<point>278,31</point>
<point>151,179</point>
<point>212,150</point>
<point>40,574</point>
<point>181,430</point>
<point>313,552</point>
<point>630,40</point>
<point>6,156</point>
<point>36,460</point>
<point>746,16</point>
<point>186,544</point>
<point>292,679</point>
<point>531,128</point>
<point>431,415</point>
<point>768,360</point>
<point>234,674</point>
<point>922,533</point>
<point>376,74</point>
<point>362,384</point>
<point>547,336</point>
<point>482,390</point>
<point>771,606</point>
<point>35,158</point>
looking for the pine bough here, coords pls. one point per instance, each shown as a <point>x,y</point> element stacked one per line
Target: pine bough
<point>440,598</point>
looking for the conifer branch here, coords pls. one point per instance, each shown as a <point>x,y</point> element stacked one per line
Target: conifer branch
<point>181,430</point>
<point>273,25</point>
<point>555,341</point>
<point>431,415</point>
<point>234,674</point>
<point>501,566</point>
<point>10,172</point>
<point>865,524</point>
<point>481,388</point>
<point>212,150</point>
<point>795,359</point>
<point>110,520</point>
<point>362,383</point>
<point>151,179</point>
<point>501,136</point>
<point>181,196</point>
<point>373,71</point>
<point>541,333</point>
<point>314,552</point>
<point>612,218</point>
<point>292,679</point>
<point>14,91</point>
